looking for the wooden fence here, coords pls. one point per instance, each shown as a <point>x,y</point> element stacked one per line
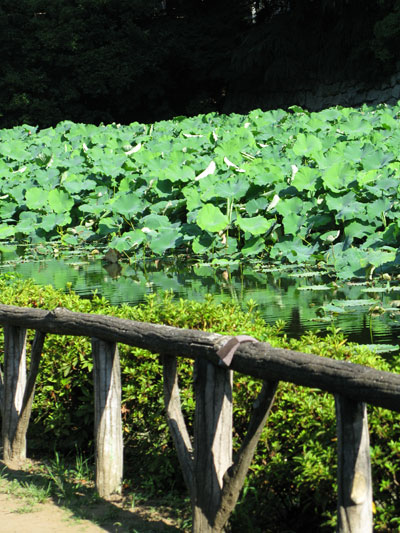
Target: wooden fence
<point>214,479</point>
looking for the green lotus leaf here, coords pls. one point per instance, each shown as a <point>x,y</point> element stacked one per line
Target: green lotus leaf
<point>164,240</point>
<point>127,204</point>
<point>6,231</point>
<point>129,240</point>
<point>375,159</point>
<point>256,225</point>
<point>289,206</point>
<point>346,206</point>
<point>358,230</point>
<point>257,204</point>
<point>60,201</point>
<point>253,246</point>
<point>7,210</point>
<point>338,176</point>
<point>156,222</point>
<point>202,243</point>
<point>307,145</point>
<point>354,303</point>
<point>14,149</point>
<point>210,218</point>
<point>305,179</point>
<point>353,152</point>
<point>234,188</point>
<point>356,126</point>
<point>292,224</point>
<point>193,199</point>
<point>293,250</point>
<point>75,184</point>
<point>52,220</point>
<point>109,225</point>
<point>36,198</point>
<point>27,224</point>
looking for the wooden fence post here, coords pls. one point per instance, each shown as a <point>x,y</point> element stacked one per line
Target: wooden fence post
<point>354,467</point>
<point>107,423</point>
<point>213,440</point>
<point>13,393</point>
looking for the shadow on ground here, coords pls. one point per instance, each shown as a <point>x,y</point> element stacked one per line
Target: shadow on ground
<point>123,514</point>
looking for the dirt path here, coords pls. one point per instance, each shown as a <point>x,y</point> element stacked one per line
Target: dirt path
<point>22,511</point>
<point>16,517</point>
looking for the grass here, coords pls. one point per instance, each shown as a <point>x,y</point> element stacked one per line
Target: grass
<point>70,485</point>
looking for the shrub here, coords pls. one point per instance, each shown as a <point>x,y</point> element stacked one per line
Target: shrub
<point>291,484</point>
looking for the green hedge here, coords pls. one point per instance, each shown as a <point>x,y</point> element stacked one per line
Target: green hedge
<point>291,484</point>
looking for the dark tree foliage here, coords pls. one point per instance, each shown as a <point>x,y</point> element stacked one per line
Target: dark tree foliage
<point>146,60</point>
<point>298,44</point>
<point>113,60</point>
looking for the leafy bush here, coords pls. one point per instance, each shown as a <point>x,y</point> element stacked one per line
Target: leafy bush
<point>291,484</point>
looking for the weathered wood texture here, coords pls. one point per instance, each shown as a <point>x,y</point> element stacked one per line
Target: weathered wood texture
<point>213,441</point>
<point>176,421</point>
<point>107,419</point>
<point>19,440</point>
<point>213,480</point>
<point>354,467</point>
<point>259,360</point>
<point>16,413</point>
<point>13,393</point>
<point>236,474</point>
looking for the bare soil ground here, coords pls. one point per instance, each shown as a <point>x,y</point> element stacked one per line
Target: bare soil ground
<point>21,512</point>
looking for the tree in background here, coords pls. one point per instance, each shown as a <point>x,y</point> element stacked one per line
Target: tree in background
<point>146,60</point>
<point>113,60</point>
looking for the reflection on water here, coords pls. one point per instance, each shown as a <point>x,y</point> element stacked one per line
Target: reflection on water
<point>279,294</point>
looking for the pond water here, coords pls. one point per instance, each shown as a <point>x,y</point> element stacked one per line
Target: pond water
<point>302,299</point>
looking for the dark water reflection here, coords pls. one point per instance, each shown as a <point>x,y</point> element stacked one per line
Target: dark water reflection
<point>279,295</point>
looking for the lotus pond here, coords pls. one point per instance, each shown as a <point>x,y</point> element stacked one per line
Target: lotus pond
<point>315,195</point>
<point>367,312</point>
<point>288,186</point>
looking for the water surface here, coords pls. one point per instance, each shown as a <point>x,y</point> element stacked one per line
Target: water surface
<point>280,294</point>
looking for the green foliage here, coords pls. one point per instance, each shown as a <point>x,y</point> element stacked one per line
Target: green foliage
<point>292,479</point>
<point>105,61</point>
<point>293,187</point>
<point>304,44</point>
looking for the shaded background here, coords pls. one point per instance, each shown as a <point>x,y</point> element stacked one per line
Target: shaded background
<point>107,61</point>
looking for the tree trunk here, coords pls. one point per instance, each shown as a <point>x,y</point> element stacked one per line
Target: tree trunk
<point>107,423</point>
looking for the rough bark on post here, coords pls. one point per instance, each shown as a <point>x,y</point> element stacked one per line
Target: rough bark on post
<point>213,481</point>
<point>259,360</point>
<point>354,467</point>
<point>107,423</point>
<point>176,421</point>
<point>213,441</point>
<point>19,441</point>
<point>13,392</point>
<point>235,475</point>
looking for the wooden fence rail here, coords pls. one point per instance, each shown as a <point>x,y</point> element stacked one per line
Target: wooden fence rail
<point>214,479</point>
